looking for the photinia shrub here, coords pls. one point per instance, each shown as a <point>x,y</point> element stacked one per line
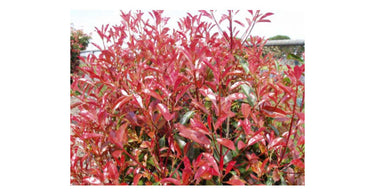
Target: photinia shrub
<point>191,106</point>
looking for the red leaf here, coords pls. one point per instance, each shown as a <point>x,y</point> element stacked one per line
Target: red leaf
<point>88,115</point>
<point>91,135</point>
<point>235,180</point>
<point>298,163</point>
<point>153,94</point>
<point>220,121</point>
<point>245,109</point>
<point>276,175</point>
<point>201,170</point>
<point>198,125</point>
<point>241,145</point>
<point>170,180</point>
<point>246,126</point>
<point>164,111</point>
<point>229,166</point>
<point>119,137</point>
<point>226,142</point>
<point>212,162</point>
<point>276,142</point>
<point>122,100</point>
<point>117,153</point>
<point>298,70</point>
<point>205,13</point>
<point>92,180</point>
<point>136,178</point>
<point>193,135</point>
<point>240,23</point>
<point>255,139</point>
<point>111,170</point>
<point>187,172</point>
<point>138,100</point>
<point>235,96</point>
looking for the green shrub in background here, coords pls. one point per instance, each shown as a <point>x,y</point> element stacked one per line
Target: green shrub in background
<point>78,42</point>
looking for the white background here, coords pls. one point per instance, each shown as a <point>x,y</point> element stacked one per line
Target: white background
<point>34,102</point>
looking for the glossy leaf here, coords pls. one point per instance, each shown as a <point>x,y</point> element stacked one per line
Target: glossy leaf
<point>229,167</point>
<point>255,139</point>
<point>298,163</point>
<point>226,142</point>
<point>235,180</point>
<point>92,180</point>
<point>245,109</point>
<point>170,180</point>
<point>187,116</point>
<point>193,135</point>
<point>164,111</point>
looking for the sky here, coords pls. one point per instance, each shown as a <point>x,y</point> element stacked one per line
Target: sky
<point>289,23</point>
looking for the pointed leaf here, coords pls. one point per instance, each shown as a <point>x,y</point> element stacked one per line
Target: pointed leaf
<point>229,166</point>
<point>226,142</point>
<point>298,163</point>
<point>122,100</point>
<point>241,145</point>
<point>220,121</point>
<point>92,180</point>
<point>235,96</point>
<point>193,135</point>
<point>153,94</point>
<point>212,162</point>
<point>164,111</point>
<point>255,139</point>
<point>276,142</point>
<point>240,23</point>
<point>91,135</point>
<point>235,180</point>
<point>248,91</point>
<point>245,109</point>
<point>198,125</point>
<point>187,116</point>
<point>139,100</point>
<point>170,180</point>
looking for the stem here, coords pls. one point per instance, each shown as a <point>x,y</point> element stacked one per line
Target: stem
<point>137,161</point>
<point>220,30</point>
<point>227,133</point>
<point>291,125</point>
<point>231,30</point>
<point>248,33</point>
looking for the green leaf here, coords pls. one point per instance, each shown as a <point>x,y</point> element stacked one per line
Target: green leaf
<point>244,64</point>
<point>186,117</point>
<point>269,181</point>
<point>275,130</point>
<point>277,65</point>
<point>162,142</point>
<point>295,57</point>
<point>248,91</point>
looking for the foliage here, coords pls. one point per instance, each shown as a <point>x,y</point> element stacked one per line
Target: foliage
<point>78,42</point>
<point>188,106</point>
<point>279,37</point>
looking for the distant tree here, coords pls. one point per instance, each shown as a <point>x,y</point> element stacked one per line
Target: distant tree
<point>279,37</point>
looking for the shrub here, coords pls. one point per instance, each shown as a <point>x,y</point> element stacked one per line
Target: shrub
<point>187,106</point>
<point>78,42</point>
